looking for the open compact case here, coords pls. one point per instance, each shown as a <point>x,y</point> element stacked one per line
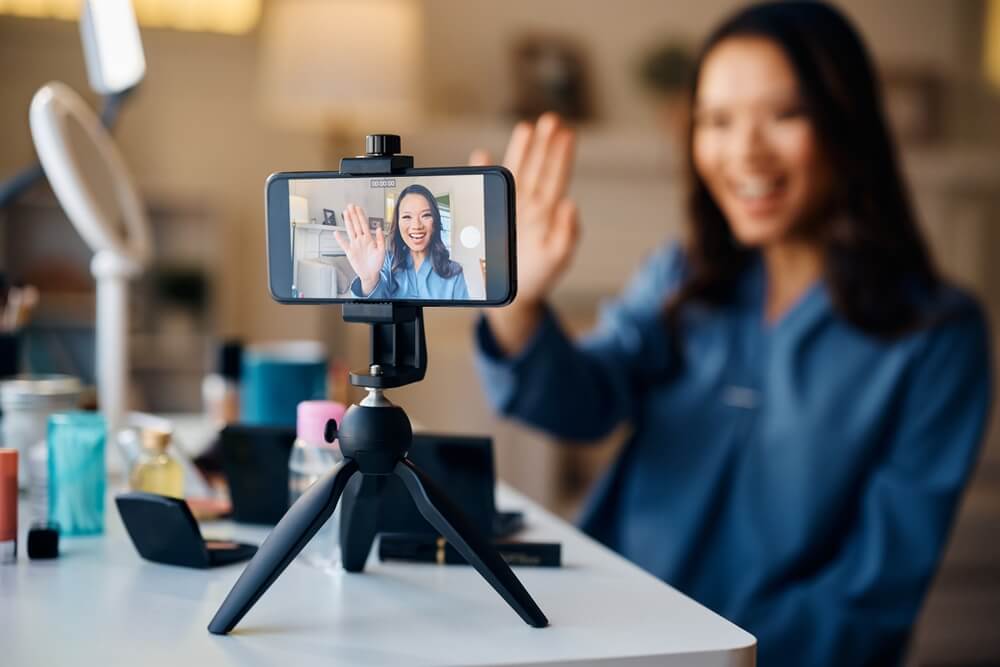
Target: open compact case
<point>163,530</point>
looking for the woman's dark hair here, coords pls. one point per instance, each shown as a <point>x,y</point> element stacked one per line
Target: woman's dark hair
<point>875,260</point>
<point>440,258</point>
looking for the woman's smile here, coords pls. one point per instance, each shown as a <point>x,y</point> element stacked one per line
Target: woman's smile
<point>758,195</point>
<point>417,236</point>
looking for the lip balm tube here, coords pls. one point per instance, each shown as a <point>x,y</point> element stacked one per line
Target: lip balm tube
<point>8,505</point>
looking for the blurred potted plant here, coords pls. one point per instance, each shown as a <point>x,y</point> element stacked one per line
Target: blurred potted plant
<point>665,71</point>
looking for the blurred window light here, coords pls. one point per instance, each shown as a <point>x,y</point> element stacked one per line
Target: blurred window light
<point>233,17</point>
<point>329,65</point>
<point>991,43</point>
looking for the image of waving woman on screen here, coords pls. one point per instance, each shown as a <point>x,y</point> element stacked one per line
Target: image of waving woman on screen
<point>415,264</point>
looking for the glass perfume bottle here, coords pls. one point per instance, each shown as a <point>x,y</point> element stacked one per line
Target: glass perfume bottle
<point>157,471</point>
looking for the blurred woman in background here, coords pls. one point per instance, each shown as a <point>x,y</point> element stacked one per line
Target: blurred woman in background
<point>806,395</point>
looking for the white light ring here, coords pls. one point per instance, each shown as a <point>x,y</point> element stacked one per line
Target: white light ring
<point>51,106</point>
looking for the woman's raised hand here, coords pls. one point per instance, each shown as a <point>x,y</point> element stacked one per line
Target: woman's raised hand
<point>365,250</point>
<point>540,155</point>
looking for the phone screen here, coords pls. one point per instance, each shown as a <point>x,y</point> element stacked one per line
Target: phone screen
<point>419,237</point>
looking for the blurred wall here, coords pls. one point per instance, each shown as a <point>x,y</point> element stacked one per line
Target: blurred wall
<point>479,33</point>
<point>193,131</point>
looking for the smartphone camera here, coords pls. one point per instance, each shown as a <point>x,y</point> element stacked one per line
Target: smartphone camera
<point>428,237</point>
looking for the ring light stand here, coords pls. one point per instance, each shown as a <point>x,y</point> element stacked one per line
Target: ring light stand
<point>57,114</point>
<point>374,437</point>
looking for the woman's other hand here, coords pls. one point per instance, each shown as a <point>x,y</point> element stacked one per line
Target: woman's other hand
<point>540,155</point>
<point>365,250</point>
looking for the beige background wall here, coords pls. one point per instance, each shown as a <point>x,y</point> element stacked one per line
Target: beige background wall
<point>477,33</point>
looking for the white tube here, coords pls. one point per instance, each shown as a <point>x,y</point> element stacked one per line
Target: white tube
<point>112,272</point>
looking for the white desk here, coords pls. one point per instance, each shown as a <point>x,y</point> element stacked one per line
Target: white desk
<point>100,604</point>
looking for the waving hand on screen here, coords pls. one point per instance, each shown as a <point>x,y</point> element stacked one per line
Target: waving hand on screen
<point>365,250</point>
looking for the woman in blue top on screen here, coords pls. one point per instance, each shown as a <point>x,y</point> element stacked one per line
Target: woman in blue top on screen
<point>416,264</point>
<point>806,395</point>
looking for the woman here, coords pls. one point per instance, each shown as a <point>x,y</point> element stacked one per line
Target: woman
<point>806,395</point>
<point>417,264</point>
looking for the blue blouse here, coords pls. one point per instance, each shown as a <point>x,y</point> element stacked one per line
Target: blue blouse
<point>410,283</point>
<point>799,478</point>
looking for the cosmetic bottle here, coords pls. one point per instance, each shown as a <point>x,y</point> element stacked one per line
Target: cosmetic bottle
<point>77,479</point>
<point>8,505</point>
<point>311,458</point>
<point>27,401</point>
<point>157,471</point>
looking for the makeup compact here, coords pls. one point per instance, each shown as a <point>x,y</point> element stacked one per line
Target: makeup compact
<point>163,530</point>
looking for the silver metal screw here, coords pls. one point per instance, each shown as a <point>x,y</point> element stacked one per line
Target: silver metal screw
<point>375,370</point>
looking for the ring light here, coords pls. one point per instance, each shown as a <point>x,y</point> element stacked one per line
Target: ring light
<point>66,132</point>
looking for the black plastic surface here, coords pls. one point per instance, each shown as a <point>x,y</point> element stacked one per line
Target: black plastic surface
<point>452,524</point>
<point>255,462</point>
<point>282,545</point>
<point>383,144</point>
<point>163,530</point>
<point>397,342</point>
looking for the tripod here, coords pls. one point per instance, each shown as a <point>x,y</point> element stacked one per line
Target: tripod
<point>374,437</point>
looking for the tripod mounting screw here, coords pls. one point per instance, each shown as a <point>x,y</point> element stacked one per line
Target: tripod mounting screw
<point>383,144</point>
<point>375,370</point>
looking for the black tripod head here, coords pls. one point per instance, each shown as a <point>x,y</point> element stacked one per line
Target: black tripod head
<point>375,433</point>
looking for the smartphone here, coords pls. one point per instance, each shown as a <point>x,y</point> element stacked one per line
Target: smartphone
<point>429,237</point>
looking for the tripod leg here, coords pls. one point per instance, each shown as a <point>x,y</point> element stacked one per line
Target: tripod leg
<point>441,513</point>
<point>283,544</point>
<point>358,522</point>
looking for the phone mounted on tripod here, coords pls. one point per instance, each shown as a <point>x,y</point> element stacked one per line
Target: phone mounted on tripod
<point>374,436</point>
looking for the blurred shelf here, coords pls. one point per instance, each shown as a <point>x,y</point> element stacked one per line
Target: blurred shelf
<point>316,227</point>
